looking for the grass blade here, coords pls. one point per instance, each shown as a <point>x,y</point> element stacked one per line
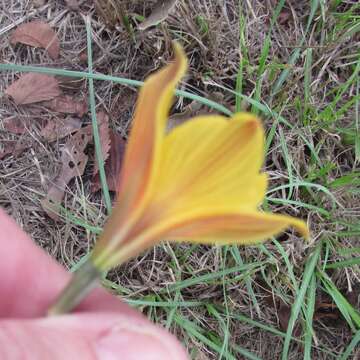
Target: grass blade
<point>350,314</point>
<point>309,315</point>
<point>118,80</point>
<point>195,331</point>
<point>354,341</point>
<point>214,276</point>
<point>236,255</point>
<point>307,83</point>
<point>343,263</point>
<point>296,308</point>
<point>296,53</point>
<point>97,142</point>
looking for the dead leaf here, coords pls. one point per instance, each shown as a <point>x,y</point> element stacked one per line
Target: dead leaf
<point>284,17</point>
<point>39,3</point>
<point>325,310</point>
<point>110,12</point>
<point>59,128</point>
<point>83,57</point>
<point>67,83</point>
<point>32,88</point>
<point>15,125</point>
<point>353,297</point>
<point>6,150</point>
<point>13,147</point>
<point>284,312</point>
<point>37,34</point>
<point>67,105</point>
<point>113,163</point>
<point>72,4</point>
<point>104,134</point>
<point>160,12</point>
<point>73,161</point>
<point>189,111</point>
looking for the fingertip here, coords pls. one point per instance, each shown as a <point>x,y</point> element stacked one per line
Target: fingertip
<point>134,341</point>
<point>113,336</point>
<point>31,280</point>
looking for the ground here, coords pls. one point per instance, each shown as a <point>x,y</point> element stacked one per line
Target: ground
<point>296,65</point>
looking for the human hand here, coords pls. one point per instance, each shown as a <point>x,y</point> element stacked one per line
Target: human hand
<point>102,327</point>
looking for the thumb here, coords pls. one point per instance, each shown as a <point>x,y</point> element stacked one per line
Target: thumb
<point>100,336</point>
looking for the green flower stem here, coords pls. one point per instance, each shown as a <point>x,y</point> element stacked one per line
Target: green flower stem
<point>81,283</point>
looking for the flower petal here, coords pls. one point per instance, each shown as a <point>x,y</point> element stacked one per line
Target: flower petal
<point>141,157</point>
<point>220,228</point>
<point>212,161</point>
<point>241,228</point>
<point>148,130</point>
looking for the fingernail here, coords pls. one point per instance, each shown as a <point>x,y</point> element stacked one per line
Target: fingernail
<point>135,342</point>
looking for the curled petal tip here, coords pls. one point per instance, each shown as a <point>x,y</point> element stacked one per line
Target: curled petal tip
<point>304,231</point>
<point>250,122</point>
<point>301,227</point>
<point>179,52</point>
<point>248,117</point>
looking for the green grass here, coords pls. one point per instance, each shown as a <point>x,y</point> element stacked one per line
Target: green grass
<point>238,259</point>
<point>296,53</point>
<point>97,142</point>
<point>352,345</point>
<point>118,80</point>
<point>299,298</point>
<point>309,314</point>
<point>350,314</point>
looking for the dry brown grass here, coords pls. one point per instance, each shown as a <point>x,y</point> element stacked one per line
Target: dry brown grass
<point>214,63</point>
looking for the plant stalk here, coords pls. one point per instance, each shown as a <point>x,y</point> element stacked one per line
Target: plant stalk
<point>81,283</point>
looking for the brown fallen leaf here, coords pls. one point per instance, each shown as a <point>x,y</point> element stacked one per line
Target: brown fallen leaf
<point>37,34</point>
<point>16,125</point>
<point>353,297</point>
<point>59,128</point>
<point>189,111</point>
<point>32,88</point>
<point>73,161</point>
<point>69,84</point>
<point>284,17</point>
<point>324,310</point>
<point>6,149</point>
<point>110,12</point>
<point>112,164</point>
<point>284,312</point>
<point>83,57</point>
<point>67,105</point>
<point>72,4</point>
<point>38,3</point>
<point>160,12</point>
<point>104,134</point>
<point>13,147</point>
<point>327,311</point>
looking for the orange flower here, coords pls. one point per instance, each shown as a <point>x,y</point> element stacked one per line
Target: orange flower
<point>201,182</point>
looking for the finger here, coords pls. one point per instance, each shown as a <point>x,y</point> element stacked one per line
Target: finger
<point>101,336</point>
<point>31,280</point>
